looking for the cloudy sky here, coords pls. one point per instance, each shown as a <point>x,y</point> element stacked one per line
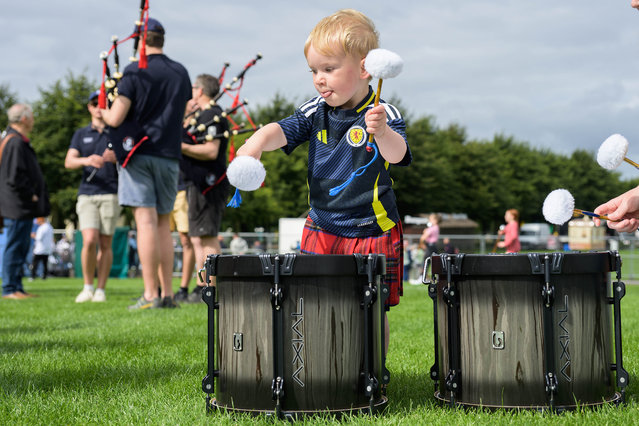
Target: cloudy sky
<point>556,74</point>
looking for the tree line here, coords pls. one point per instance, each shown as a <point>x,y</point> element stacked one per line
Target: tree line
<point>450,173</point>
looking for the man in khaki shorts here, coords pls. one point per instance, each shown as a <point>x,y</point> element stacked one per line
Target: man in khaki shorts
<point>179,221</point>
<point>97,206</point>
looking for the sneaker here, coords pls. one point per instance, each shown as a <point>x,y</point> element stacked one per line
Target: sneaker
<point>169,302</point>
<point>99,296</point>
<point>142,303</point>
<point>182,295</point>
<point>195,296</point>
<point>84,296</point>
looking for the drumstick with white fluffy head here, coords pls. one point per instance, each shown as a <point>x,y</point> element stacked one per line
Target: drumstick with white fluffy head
<point>559,208</point>
<point>382,64</point>
<point>244,173</point>
<point>613,151</point>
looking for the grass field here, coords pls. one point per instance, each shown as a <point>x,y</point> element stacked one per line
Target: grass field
<point>67,363</point>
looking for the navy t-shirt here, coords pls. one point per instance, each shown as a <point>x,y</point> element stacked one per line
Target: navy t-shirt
<point>88,141</point>
<point>158,97</point>
<point>337,148</point>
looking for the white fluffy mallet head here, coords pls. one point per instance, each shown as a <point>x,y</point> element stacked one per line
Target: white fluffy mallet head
<point>383,64</point>
<point>246,173</point>
<point>559,206</point>
<point>612,151</point>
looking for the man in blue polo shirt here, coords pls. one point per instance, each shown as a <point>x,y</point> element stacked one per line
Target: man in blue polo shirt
<point>97,206</point>
<point>150,107</point>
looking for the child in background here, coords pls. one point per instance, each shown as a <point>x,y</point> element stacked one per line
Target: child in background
<point>43,246</point>
<point>511,232</point>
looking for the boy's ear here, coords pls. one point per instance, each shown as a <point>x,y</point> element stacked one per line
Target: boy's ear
<point>363,73</point>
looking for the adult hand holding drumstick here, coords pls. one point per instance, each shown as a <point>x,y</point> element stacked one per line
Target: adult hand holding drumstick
<point>622,211</point>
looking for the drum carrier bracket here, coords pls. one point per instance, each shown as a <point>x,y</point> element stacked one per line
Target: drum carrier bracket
<point>372,265</point>
<point>208,296</point>
<point>546,264</point>
<point>618,292</point>
<point>452,267</point>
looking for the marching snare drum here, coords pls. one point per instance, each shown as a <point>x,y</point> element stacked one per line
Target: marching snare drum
<point>296,334</point>
<point>527,330</point>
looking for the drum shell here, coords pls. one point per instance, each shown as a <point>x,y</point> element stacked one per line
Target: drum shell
<point>500,294</point>
<point>323,335</point>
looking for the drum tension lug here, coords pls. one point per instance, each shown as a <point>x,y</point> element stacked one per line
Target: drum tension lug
<point>548,292</point>
<point>371,385</point>
<point>452,383</point>
<point>370,296</point>
<point>276,297</point>
<point>278,393</point>
<point>450,295</point>
<point>551,388</point>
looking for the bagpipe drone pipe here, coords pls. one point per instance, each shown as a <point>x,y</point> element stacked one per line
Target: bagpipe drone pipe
<point>126,138</point>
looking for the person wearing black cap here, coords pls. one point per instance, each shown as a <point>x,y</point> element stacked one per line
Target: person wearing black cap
<point>97,206</point>
<point>153,100</point>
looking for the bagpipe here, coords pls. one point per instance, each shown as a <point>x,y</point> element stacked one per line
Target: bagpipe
<point>126,138</point>
<point>211,123</point>
<point>200,132</point>
<point>108,88</point>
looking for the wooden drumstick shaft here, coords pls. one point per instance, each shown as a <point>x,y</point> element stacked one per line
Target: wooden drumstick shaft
<point>377,95</point>
<point>629,161</point>
<point>579,212</point>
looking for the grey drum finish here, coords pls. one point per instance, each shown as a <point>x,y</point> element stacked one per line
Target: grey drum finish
<point>526,330</point>
<point>296,333</point>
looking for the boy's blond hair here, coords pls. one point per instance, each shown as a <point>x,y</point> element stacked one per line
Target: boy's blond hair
<point>348,28</point>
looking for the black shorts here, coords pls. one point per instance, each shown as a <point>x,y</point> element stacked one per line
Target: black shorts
<point>206,211</point>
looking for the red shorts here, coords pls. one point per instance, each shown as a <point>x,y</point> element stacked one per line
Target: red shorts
<point>315,240</point>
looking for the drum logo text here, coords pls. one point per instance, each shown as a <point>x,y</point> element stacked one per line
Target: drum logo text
<point>564,342</point>
<point>297,342</point>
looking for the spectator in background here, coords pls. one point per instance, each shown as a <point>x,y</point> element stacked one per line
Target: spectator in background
<point>133,251</point>
<point>43,246</point>
<point>238,244</point>
<point>257,247</point>
<point>408,260</point>
<point>510,232</point>
<point>220,239</point>
<point>430,236</point>
<point>449,248</point>
<point>63,248</point>
<point>23,196</point>
<point>97,205</point>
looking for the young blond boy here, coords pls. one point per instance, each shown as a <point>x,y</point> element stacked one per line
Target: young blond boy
<point>363,217</point>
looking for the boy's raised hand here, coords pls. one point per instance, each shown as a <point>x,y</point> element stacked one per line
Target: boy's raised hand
<point>376,121</point>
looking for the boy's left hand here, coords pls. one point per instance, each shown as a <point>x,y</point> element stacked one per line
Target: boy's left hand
<point>376,120</point>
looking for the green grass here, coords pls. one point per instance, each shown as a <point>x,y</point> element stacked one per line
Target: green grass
<point>67,363</point>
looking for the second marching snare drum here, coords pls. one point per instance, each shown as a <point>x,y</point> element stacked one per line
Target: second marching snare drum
<point>527,330</point>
